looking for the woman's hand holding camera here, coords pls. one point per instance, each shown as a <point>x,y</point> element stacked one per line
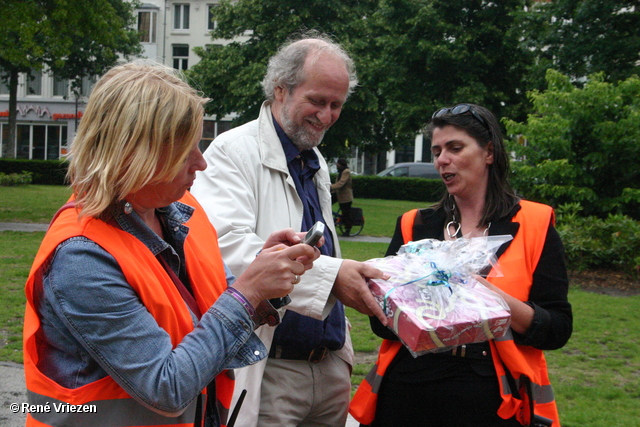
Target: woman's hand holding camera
<point>277,268</point>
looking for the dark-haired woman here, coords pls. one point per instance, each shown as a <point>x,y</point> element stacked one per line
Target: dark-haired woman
<point>500,382</point>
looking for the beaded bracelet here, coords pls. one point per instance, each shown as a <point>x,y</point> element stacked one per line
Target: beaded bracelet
<point>246,304</point>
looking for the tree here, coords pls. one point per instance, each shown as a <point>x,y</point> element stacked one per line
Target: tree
<point>583,37</point>
<point>581,145</point>
<point>230,75</point>
<point>423,55</point>
<point>72,38</point>
<point>412,56</point>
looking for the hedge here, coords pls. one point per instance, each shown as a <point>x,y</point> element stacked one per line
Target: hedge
<point>396,188</point>
<point>52,172</point>
<point>47,172</point>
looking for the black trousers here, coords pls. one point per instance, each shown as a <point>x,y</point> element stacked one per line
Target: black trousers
<point>345,210</point>
<point>464,399</point>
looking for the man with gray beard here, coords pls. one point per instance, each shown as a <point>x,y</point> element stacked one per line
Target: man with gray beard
<point>267,175</point>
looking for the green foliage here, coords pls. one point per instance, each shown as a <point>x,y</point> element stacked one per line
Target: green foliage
<point>63,34</point>
<point>72,38</point>
<point>14,179</point>
<point>48,172</point>
<point>396,188</point>
<point>581,145</point>
<point>231,74</point>
<point>591,242</point>
<point>582,37</point>
<point>412,56</point>
<point>102,35</point>
<point>421,55</point>
<point>550,182</point>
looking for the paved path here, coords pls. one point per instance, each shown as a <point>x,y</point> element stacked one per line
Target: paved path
<point>22,226</point>
<point>12,391</point>
<point>12,387</point>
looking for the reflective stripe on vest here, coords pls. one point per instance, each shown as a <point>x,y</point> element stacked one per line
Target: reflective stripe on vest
<point>525,364</point>
<point>159,295</point>
<point>363,405</point>
<point>104,413</point>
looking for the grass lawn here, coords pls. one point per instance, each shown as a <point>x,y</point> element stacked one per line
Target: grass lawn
<point>380,215</point>
<point>31,203</point>
<point>596,376</point>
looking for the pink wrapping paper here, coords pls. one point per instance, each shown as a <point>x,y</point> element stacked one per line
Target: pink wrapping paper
<point>432,300</point>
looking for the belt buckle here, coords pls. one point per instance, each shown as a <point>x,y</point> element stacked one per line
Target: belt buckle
<point>317,354</point>
<point>463,350</point>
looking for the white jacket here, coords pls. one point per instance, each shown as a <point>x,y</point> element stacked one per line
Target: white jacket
<point>248,193</point>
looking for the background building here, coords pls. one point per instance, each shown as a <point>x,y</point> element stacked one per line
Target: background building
<point>49,110</point>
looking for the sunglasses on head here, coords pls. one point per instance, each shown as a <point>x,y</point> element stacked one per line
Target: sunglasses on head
<point>460,109</point>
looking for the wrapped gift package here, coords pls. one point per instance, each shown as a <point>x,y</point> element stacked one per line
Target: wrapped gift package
<point>432,299</point>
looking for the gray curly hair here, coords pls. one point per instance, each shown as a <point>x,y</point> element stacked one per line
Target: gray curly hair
<point>286,67</point>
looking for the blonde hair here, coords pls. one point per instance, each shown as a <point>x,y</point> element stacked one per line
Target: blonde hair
<point>137,129</point>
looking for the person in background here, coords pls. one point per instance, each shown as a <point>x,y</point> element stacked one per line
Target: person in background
<point>130,308</point>
<point>494,383</point>
<point>268,174</point>
<point>343,188</point>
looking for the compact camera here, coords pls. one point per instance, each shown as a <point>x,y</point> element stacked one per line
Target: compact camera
<point>314,234</point>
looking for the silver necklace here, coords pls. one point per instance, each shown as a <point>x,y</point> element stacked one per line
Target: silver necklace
<point>456,225</point>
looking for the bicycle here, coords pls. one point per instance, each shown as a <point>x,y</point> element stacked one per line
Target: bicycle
<point>357,222</point>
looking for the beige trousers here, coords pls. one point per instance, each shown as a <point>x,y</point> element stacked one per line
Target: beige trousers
<point>298,393</point>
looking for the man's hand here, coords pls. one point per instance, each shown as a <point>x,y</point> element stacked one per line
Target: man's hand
<point>352,290</point>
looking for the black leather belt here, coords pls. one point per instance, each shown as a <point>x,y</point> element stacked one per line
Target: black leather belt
<point>470,351</point>
<point>291,353</point>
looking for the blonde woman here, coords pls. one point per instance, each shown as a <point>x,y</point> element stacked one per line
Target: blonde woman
<point>132,316</point>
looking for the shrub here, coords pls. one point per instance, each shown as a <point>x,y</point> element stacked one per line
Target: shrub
<point>46,172</point>
<point>591,242</point>
<point>13,179</point>
<point>580,144</point>
<point>395,188</point>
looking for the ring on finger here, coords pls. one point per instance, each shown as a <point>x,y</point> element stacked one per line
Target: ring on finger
<point>296,280</point>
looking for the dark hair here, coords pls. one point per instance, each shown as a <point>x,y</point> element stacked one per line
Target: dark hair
<point>342,163</point>
<point>500,198</point>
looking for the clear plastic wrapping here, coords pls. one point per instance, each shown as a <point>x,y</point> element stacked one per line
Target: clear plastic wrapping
<point>432,299</point>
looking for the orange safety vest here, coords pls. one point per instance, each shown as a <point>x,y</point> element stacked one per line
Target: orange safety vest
<point>109,404</point>
<point>525,364</point>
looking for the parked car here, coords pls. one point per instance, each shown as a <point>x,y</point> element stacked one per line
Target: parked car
<point>412,170</point>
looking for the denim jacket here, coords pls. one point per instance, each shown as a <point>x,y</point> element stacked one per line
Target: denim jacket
<point>94,324</point>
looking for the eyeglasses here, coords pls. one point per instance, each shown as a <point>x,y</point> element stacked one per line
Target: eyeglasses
<point>461,109</point>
